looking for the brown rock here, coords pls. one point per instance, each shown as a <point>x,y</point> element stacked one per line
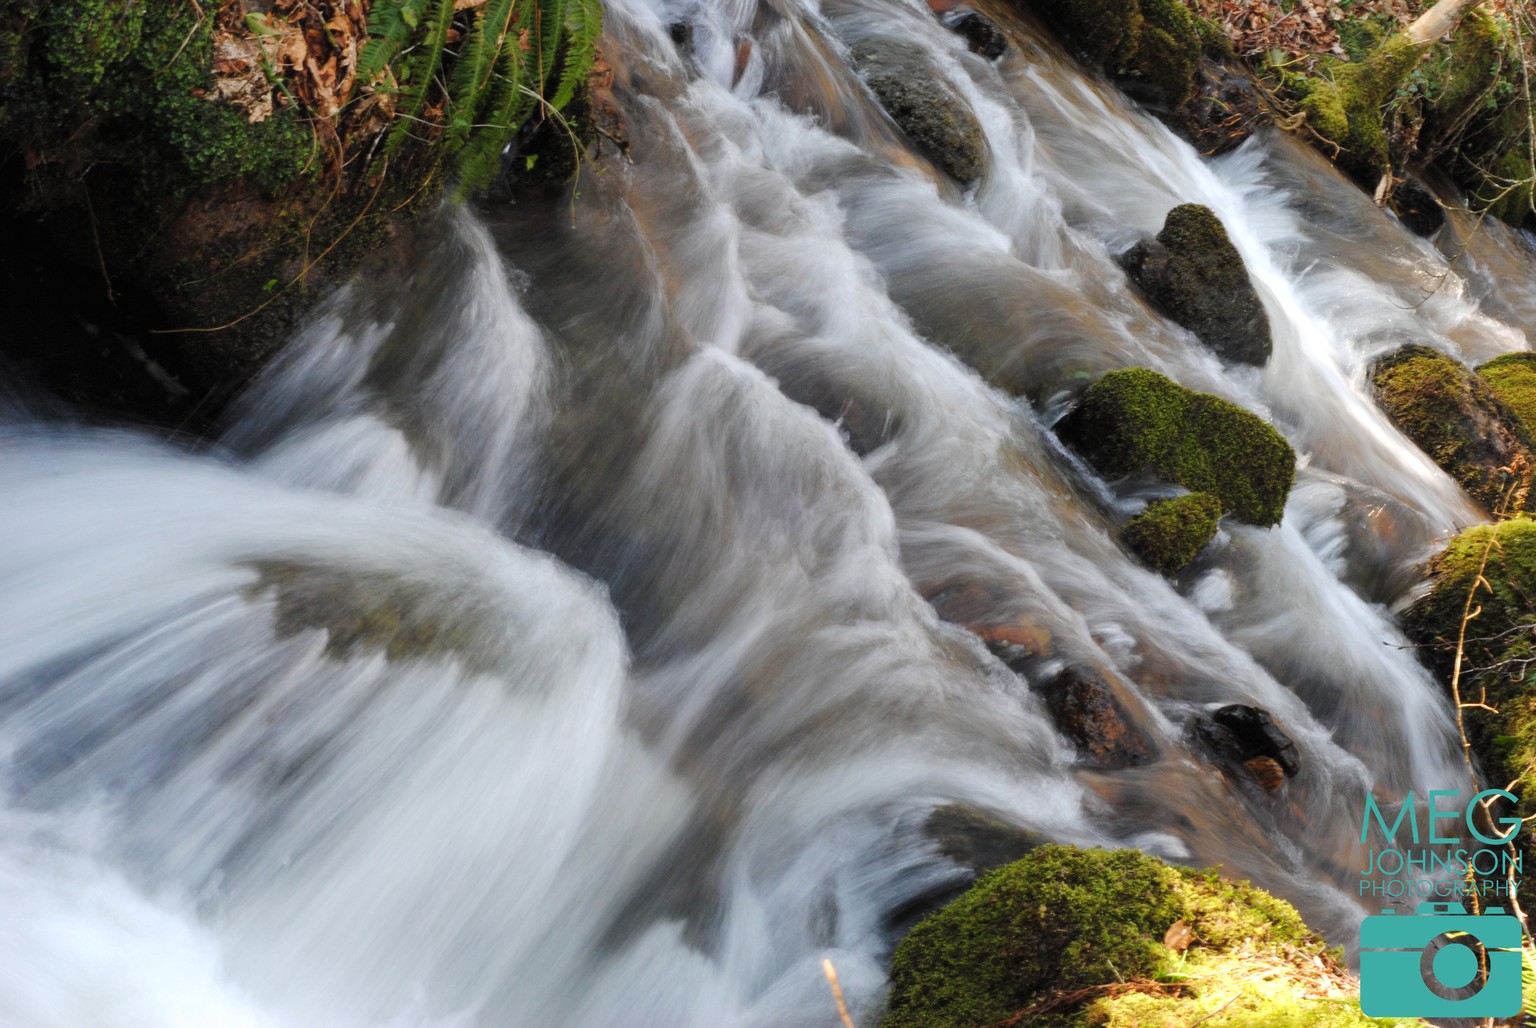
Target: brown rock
<point>1086,710</point>
<point>1266,771</point>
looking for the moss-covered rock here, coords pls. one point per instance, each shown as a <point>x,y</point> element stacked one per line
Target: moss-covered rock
<point>1456,418</point>
<point>1512,378</point>
<point>1135,420</point>
<point>1168,534</point>
<point>1193,273</point>
<point>926,107</point>
<point>1044,934</point>
<point>1343,101</point>
<point>1488,571</point>
<point>1151,47</point>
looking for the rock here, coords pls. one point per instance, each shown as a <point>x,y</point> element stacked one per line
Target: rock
<point>1226,109</point>
<point>1040,935</point>
<point>1135,420</point>
<point>1417,208</point>
<point>979,611</point>
<point>980,32</point>
<point>1512,378</point>
<point>1455,417</point>
<point>1193,274</point>
<point>926,107</point>
<point>1169,533</point>
<point>1246,736</point>
<point>973,838</point>
<point>681,34</point>
<point>1084,706</point>
<point>1266,772</point>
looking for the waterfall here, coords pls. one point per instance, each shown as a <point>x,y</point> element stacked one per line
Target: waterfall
<point>546,639</point>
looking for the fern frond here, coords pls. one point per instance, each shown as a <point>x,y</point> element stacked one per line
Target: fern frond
<point>584,29</point>
<point>391,23</point>
<point>423,72</point>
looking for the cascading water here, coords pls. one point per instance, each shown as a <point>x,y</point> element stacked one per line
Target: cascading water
<point>546,644</point>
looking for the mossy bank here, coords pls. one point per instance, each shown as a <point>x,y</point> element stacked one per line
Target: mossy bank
<point>198,173</point>
<point>1080,937</point>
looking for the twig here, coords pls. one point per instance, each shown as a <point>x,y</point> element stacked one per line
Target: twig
<point>837,992</point>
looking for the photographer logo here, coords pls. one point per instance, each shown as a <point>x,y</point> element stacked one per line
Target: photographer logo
<point>1441,961</point>
<point>1424,964</point>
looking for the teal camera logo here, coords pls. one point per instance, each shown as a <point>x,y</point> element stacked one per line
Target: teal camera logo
<point>1425,964</point>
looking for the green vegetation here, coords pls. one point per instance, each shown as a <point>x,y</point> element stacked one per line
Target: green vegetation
<point>512,51</point>
<point>1168,534</point>
<point>1456,418</point>
<point>1512,378</point>
<point>1494,566</point>
<point>1075,937</point>
<point>1343,101</point>
<point>1157,42</point>
<point>1136,420</point>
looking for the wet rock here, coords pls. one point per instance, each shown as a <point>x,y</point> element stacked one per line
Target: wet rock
<point>981,33</point>
<point>1169,533</point>
<point>1134,420</point>
<point>681,34</point>
<point>1086,710</point>
<point>1193,274</point>
<point>1247,737</point>
<point>1417,208</point>
<point>973,838</point>
<point>922,102</point>
<point>1455,417</point>
<point>1012,638</point>
<point>1226,109</point>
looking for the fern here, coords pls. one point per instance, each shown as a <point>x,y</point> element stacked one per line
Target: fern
<point>513,56</point>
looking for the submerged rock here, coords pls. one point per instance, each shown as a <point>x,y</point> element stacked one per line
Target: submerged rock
<point>1169,533</point>
<point>1456,418</point>
<point>1084,706</point>
<point>1417,208</point>
<point>1135,420</point>
<point>1194,274</point>
<point>973,838</point>
<point>922,102</point>
<point>1247,737</point>
<point>981,33</point>
<point>1033,942</point>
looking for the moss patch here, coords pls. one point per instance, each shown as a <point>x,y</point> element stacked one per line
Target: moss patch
<point>1169,533</point>
<point>1075,936</point>
<point>1154,45</point>
<point>1135,420</point>
<point>1500,561</point>
<point>1456,418</point>
<point>1512,378</point>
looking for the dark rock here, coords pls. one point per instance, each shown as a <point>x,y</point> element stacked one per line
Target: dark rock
<point>981,34</point>
<point>1194,274</point>
<point>1455,417</point>
<point>1226,109</point>
<point>973,838</point>
<point>1417,208</point>
<point>1247,737</point>
<point>682,36</point>
<point>1086,710</point>
<point>926,107</point>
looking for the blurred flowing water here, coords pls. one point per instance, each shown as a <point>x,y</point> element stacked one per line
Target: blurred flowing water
<point>546,642</point>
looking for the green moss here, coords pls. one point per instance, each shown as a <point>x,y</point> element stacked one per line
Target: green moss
<point>1512,378</point>
<point>1457,419</point>
<point>1227,992</point>
<point>1168,534</point>
<point>1104,34</point>
<point>1500,643</point>
<point>1135,420</point>
<point>1509,192</point>
<point>1214,41</point>
<point>1059,918</point>
<point>1063,919</point>
<point>1168,51</point>
<point>1344,102</point>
